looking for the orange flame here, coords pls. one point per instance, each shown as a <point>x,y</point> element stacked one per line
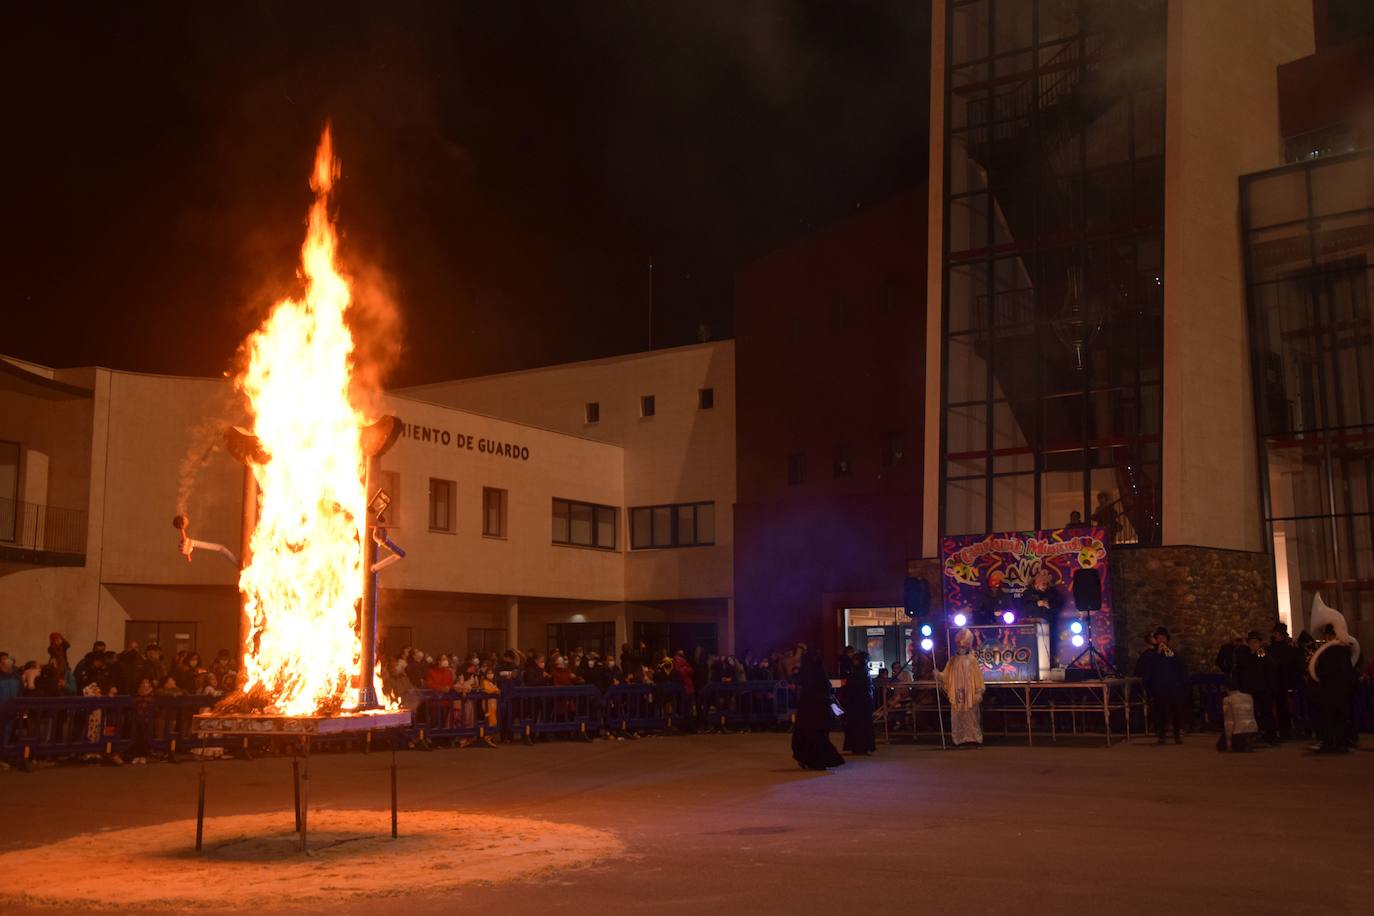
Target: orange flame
<point>304,585</point>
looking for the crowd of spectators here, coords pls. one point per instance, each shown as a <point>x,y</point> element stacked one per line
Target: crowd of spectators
<point>104,672</point>
<point>490,672</point>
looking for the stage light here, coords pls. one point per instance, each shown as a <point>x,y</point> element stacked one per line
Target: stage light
<point>1076,627</point>
<point>1008,618</point>
<point>926,630</point>
<point>1077,641</point>
<point>927,644</point>
<point>960,620</point>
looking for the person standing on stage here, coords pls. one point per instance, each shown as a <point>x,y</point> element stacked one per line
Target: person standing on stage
<point>991,600</point>
<point>857,699</point>
<point>1043,601</point>
<point>962,681</point>
<point>811,746</point>
<point>1166,683</point>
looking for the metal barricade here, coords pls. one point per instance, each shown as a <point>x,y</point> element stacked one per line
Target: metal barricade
<point>645,707</point>
<point>748,704</point>
<point>534,711</point>
<point>39,727</point>
<point>450,715</point>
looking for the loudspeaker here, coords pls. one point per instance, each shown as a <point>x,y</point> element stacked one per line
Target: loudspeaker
<point>916,597</point>
<point>1087,590</point>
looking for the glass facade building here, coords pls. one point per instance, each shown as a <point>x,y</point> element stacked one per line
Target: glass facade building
<point>1052,327</point>
<point>1309,243</point>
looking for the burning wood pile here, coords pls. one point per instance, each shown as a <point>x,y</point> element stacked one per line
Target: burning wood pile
<point>313,533</point>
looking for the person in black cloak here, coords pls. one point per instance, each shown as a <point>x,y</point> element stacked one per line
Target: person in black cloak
<point>857,700</point>
<point>811,746</point>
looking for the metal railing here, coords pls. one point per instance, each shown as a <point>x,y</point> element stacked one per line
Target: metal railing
<point>29,526</point>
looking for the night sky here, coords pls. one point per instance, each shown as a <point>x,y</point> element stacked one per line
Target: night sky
<point>509,168</point>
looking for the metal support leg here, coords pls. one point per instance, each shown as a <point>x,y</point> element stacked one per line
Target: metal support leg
<point>305,797</point>
<point>296,788</point>
<point>1107,711</point>
<point>393,790</point>
<point>200,807</point>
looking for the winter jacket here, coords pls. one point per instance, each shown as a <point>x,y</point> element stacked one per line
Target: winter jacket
<point>439,678</point>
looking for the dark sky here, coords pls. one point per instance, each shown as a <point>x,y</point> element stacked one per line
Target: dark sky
<point>509,167</point>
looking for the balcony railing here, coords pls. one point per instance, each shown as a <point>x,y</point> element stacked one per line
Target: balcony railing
<point>47,529</point>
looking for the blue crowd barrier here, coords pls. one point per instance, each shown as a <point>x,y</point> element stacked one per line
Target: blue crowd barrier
<point>748,704</point>
<point>450,715</point>
<point>534,711</point>
<point>644,707</point>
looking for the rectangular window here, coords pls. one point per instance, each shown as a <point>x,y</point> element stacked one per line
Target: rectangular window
<point>680,525</point>
<point>493,512</point>
<point>646,405</point>
<point>844,462</point>
<point>893,451</point>
<point>706,398</point>
<point>592,412</point>
<point>796,469</point>
<point>484,640</point>
<point>441,504</point>
<point>584,524</point>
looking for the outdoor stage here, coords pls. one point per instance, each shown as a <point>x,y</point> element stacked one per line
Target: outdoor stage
<point>1111,702</point>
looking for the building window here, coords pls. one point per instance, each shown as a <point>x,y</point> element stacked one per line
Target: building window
<point>796,469</point>
<point>595,636</point>
<point>592,412</point>
<point>486,640</point>
<point>584,524</point>
<point>1311,299</point>
<point>646,405</point>
<point>706,398</point>
<point>844,462</point>
<point>893,451</point>
<point>1052,279</point>
<point>679,525</point>
<point>441,504</point>
<point>493,512</point>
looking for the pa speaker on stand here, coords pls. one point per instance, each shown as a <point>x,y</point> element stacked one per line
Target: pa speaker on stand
<point>1087,597</point>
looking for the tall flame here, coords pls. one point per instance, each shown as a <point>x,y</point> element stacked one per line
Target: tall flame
<point>304,584</point>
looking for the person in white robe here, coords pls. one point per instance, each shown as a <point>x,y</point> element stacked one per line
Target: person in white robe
<point>962,681</point>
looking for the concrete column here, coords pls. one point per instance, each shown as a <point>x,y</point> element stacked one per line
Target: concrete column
<point>622,628</point>
<point>512,623</point>
<point>1221,123</point>
<point>934,253</point>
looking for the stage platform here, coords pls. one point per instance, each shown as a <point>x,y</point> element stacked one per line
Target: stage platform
<point>906,707</point>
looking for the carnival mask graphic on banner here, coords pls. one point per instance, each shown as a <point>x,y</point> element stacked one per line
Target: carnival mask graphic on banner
<point>1001,566</point>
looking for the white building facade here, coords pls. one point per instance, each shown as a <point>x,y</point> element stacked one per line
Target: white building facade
<point>589,505</point>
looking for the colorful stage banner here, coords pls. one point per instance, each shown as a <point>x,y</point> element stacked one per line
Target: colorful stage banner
<point>986,575</point>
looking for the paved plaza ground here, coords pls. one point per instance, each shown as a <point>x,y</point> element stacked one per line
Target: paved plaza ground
<point>727,824</point>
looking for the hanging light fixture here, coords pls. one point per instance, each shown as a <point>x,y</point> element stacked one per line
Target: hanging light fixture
<point>1078,320</point>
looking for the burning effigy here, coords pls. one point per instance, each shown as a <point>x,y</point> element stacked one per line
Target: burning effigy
<point>313,530</point>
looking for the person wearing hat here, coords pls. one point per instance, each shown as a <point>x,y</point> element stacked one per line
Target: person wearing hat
<point>1166,683</point>
<point>1254,673</point>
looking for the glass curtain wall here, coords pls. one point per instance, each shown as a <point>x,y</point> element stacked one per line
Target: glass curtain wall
<point>1309,232</point>
<point>1053,266</point>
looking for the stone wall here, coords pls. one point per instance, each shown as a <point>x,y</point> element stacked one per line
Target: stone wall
<point>1203,595</point>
